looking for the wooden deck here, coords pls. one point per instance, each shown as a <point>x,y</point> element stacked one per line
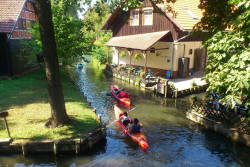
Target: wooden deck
<point>161,85</point>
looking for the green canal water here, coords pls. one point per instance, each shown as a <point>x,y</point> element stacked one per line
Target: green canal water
<point>173,139</point>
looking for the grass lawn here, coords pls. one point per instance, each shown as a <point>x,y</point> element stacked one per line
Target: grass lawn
<point>27,101</point>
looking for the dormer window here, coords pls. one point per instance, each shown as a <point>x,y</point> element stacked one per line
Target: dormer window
<point>190,14</point>
<point>134,17</point>
<point>148,16</point>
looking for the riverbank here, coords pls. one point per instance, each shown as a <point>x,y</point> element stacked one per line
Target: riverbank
<point>27,101</point>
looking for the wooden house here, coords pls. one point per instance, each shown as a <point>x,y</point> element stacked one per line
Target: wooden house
<point>162,41</point>
<point>15,19</point>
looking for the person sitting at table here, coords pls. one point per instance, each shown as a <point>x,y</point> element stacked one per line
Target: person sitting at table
<point>123,94</point>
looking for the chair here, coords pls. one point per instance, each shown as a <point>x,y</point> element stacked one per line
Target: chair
<point>150,73</point>
<point>138,70</point>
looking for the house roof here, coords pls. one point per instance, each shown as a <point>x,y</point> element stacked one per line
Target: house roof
<point>9,12</point>
<point>134,41</point>
<point>186,20</point>
<point>183,20</point>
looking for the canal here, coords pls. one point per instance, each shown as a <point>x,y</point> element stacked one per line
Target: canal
<point>173,140</point>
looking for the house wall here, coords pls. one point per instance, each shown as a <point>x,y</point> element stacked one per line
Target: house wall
<point>160,23</point>
<point>179,52</point>
<point>18,66</point>
<point>26,17</point>
<point>160,64</point>
<point>3,55</point>
<point>157,63</point>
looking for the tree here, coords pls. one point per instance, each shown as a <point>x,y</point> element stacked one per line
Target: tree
<point>97,16</point>
<point>58,111</point>
<point>229,54</point>
<point>72,42</point>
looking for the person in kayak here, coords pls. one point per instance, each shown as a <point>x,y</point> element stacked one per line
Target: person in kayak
<point>135,127</point>
<point>116,91</point>
<point>123,94</point>
<point>126,119</point>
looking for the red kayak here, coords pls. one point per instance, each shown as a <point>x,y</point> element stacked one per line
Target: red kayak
<point>121,100</point>
<point>138,137</point>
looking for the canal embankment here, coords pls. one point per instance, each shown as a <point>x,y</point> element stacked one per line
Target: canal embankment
<point>232,123</point>
<point>27,101</point>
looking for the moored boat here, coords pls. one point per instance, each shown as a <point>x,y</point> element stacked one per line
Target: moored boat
<point>80,65</point>
<point>138,137</point>
<point>125,101</point>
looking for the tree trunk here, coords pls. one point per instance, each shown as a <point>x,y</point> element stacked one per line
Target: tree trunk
<point>57,104</point>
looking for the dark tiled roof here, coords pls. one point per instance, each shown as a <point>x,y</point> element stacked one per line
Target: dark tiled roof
<point>9,11</point>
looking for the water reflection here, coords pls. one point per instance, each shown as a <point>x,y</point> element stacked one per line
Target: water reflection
<point>173,140</point>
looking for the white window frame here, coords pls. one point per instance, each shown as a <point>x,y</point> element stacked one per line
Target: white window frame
<point>132,22</point>
<point>190,13</point>
<point>144,19</point>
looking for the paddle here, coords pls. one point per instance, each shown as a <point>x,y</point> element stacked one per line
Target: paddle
<point>127,112</point>
<point>145,115</point>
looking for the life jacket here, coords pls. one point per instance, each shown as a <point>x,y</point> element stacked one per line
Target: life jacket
<point>136,129</point>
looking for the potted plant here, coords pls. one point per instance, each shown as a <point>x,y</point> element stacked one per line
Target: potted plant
<point>193,97</point>
<point>119,68</point>
<point>130,69</point>
<point>142,74</point>
<point>206,101</point>
<point>193,83</point>
<point>172,86</point>
<point>136,56</point>
<point>158,54</point>
<point>122,54</point>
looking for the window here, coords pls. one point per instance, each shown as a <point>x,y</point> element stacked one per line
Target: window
<point>134,18</point>
<point>190,14</point>
<point>147,17</point>
<point>190,51</point>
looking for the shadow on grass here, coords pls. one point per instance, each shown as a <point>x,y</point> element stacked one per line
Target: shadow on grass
<point>76,128</point>
<point>3,130</point>
<point>32,89</point>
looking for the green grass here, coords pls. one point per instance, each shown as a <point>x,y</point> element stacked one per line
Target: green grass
<point>27,101</point>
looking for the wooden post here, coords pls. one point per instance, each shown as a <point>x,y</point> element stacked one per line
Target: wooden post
<point>78,148</point>
<point>166,88</point>
<point>100,118</point>
<point>107,54</point>
<point>90,142</point>
<point>103,133</point>
<point>24,148</point>
<point>7,128</point>
<point>130,54</point>
<point>176,92</point>
<point>145,61</point>
<point>118,56</point>
<point>56,148</point>
<point>4,115</point>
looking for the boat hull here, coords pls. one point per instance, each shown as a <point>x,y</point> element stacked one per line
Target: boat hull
<point>138,137</point>
<point>79,65</point>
